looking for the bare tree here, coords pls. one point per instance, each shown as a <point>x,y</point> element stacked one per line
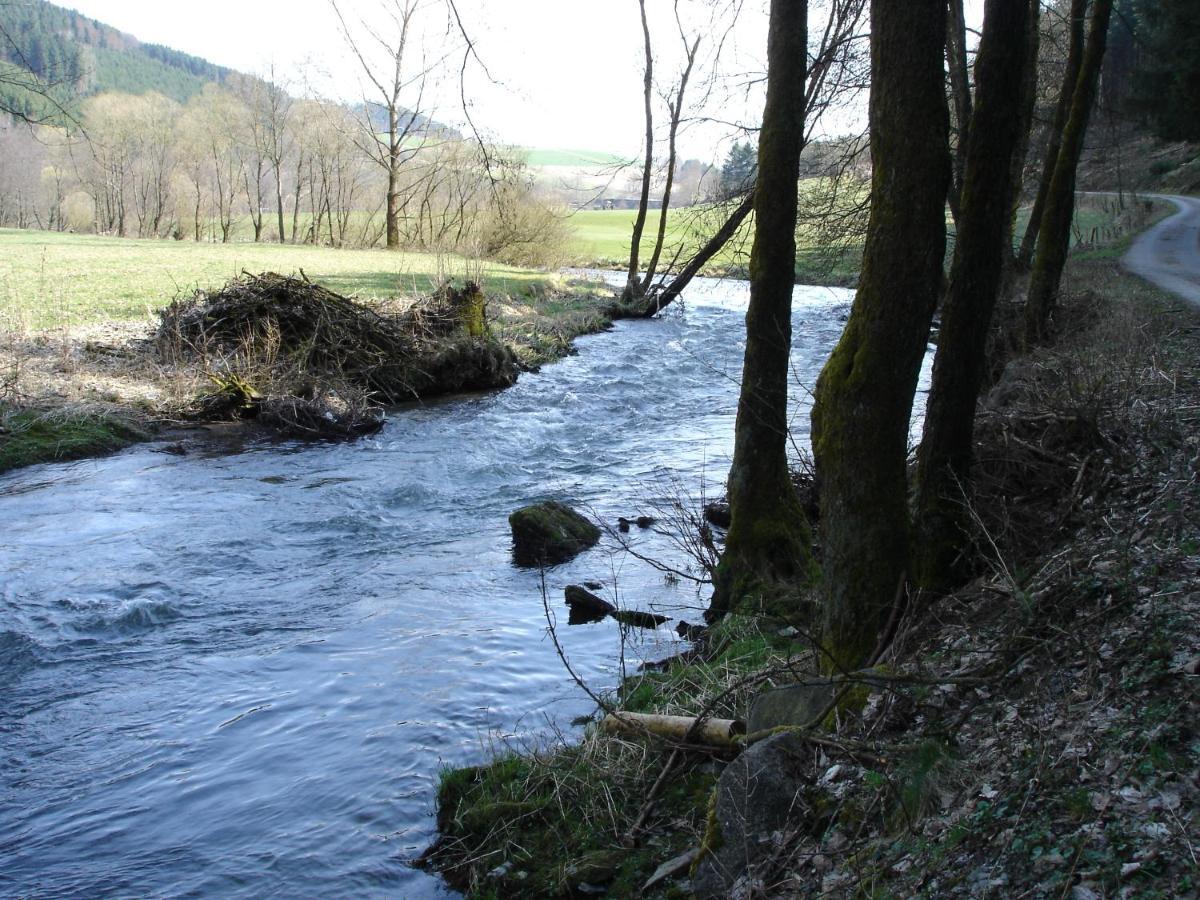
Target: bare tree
<point>1074,59</point>
<point>275,110</point>
<point>1054,236</point>
<point>863,400</point>
<point>253,141</point>
<point>837,73</point>
<point>675,108</point>
<point>633,288</point>
<point>153,163</point>
<point>960,93</point>
<point>975,278</point>
<point>392,147</point>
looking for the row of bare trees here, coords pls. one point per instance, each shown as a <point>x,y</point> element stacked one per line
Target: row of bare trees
<point>250,161</point>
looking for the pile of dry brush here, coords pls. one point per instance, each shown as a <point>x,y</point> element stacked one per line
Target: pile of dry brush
<point>309,362</point>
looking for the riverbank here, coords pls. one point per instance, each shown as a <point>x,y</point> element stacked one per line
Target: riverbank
<point>1029,733</point>
<point>78,391</point>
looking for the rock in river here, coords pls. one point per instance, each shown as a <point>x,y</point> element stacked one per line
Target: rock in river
<point>585,606</point>
<point>549,533</point>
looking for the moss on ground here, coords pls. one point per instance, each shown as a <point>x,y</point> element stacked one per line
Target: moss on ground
<point>32,436</point>
<point>574,804</point>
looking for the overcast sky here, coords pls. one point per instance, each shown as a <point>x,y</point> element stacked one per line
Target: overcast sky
<point>570,71</point>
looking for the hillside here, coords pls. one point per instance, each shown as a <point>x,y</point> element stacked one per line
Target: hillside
<point>65,48</point>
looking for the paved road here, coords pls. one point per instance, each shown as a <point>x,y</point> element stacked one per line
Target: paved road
<point>1168,255</point>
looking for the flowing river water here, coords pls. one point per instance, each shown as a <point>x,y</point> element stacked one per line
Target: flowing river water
<point>239,675</point>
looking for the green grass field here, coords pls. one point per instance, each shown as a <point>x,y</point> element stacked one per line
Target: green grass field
<point>575,158</point>
<point>49,279</point>
<point>602,237</point>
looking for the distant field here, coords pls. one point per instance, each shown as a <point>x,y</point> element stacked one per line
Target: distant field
<point>603,237</point>
<point>49,279</point>
<point>571,158</point>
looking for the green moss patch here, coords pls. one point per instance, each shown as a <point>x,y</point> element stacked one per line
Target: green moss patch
<point>31,436</point>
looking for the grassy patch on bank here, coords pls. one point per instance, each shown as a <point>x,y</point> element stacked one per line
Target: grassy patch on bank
<point>32,436</point>
<point>49,279</point>
<point>541,823</point>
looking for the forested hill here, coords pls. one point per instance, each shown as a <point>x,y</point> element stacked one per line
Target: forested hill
<point>63,46</point>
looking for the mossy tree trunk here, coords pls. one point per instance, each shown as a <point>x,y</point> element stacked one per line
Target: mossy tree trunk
<point>960,94</point>
<point>1033,40</point>
<point>1076,16</point>
<point>768,544</point>
<point>975,278</point>
<point>1054,236</point>
<point>860,420</point>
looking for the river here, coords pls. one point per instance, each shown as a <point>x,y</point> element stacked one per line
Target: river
<point>239,674</point>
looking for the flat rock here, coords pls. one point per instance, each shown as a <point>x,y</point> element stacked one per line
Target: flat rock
<point>794,704</point>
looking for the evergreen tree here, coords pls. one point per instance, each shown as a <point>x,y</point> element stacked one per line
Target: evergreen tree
<point>740,169</point>
<point>1167,79</point>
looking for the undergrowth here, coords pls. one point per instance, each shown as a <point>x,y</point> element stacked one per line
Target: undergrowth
<point>1032,734</point>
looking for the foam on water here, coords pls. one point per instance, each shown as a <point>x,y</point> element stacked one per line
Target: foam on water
<point>237,675</point>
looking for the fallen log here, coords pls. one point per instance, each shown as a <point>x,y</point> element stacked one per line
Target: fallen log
<point>711,732</point>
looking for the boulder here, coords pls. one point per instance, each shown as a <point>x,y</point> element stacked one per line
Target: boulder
<point>762,798</point>
<point>549,533</point>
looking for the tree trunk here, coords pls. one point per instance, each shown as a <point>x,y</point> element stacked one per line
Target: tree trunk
<point>676,113</point>
<point>768,545</point>
<point>393,177</point>
<point>658,301</point>
<point>196,217</point>
<point>1054,143</point>
<point>1054,236</point>
<point>279,203</point>
<point>960,91</point>
<point>633,288</point>
<point>979,254</point>
<point>863,402</point>
<point>1033,39</point>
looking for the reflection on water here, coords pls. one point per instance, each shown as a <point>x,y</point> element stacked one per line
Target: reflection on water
<point>237,675</point>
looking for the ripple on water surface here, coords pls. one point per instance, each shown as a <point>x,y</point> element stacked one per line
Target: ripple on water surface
<point>238,675</point>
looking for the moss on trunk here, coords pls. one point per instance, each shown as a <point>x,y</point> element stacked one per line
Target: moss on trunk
<point>768,542</point>
<point>864,395</point>
<point>1054,236</point>
<point>1075,19</point>
<point>975,279</point>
